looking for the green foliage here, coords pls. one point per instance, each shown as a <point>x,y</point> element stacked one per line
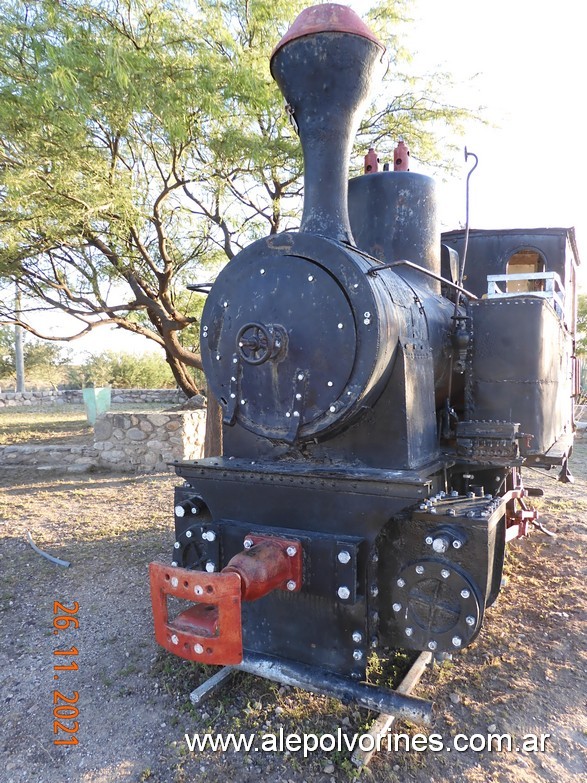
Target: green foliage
<point>581,345</point>
<point>142,144</point>
<point>44,362</point>
<point>122,371</point>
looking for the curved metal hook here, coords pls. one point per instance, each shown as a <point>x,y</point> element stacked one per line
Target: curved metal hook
<point>471,170</point>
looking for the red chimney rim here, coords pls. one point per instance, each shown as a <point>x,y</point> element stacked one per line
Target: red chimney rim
<point>327,18</point>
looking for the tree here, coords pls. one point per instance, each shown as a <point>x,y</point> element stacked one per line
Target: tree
<point>44,362</point>
<point>143,143</point>
<point>581,344</point>
<point>122,371</point>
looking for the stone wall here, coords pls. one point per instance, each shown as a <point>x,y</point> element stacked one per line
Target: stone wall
<point>71,459</point>
<point>148,441</point>
<point>74,397</point>
<point>126,442</point>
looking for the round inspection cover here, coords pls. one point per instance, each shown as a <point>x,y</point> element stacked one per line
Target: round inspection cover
<point>435,603</point>
<point>279,345</point>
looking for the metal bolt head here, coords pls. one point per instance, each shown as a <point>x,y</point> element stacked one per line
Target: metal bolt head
<point>419,569</point>
<point>344,593</point>
<point>445,573</point>
<point>188,533</point>
<point>332,409</point>
<point>176,545</point>
<point>291,585</point>
<point>210,567</point>
<point>198,649</point>
<point>344,557</point>
<point>432,645</point>
<point>374,591</point>
<point>451,513</point>
<point>199,590</point>
<point>465,593</point>
<point>456,641</point>
<point>209,535</point>
<point>174,581</point>
<point>401,582</point>
<point>179,511</point>
<point>340,326</point>
<point>409,631</point>
<point>357,655</point>
<point>291,551</point>
<point>261,271</point>
<point>174,639</point>
<point>457,544</point>
<point>397,607</point>
<point>174,563</point>
<point>470,620</point>
<point>310,278</point>
<point>357,637</point>
<point>247,543</point>
<point>440,544</point>
<point>428,540</point>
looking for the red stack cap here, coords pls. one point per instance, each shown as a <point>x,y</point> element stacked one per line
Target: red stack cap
<point>327,18</point>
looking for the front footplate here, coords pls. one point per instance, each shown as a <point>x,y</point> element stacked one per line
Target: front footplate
<point>210,631</point>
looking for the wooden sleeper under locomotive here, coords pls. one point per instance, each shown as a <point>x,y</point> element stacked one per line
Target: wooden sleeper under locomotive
<point>376,414</point>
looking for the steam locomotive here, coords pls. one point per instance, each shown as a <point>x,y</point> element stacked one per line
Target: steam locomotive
<point>379,400</point>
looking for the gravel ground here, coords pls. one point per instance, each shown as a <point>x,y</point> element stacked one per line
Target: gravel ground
<point>524,674</point>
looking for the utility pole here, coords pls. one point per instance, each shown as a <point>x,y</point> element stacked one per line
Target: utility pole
<point>18,344</point>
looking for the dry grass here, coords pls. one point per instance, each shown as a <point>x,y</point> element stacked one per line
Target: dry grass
<point>43,425</point>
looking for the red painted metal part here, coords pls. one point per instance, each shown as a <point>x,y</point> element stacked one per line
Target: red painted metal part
<point>371,162</point>
<point>210,631</point>
<point>518,522</point>
<point>327,18</point>
<point>401,157</point>
<point>266,566</point>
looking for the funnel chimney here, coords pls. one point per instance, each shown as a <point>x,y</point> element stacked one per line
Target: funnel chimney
<point>324,66</point>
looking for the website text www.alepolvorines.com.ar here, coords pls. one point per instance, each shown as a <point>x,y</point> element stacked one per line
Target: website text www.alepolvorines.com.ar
<point>308,743</point>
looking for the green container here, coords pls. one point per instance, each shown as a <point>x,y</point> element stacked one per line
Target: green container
<point>97,401</point>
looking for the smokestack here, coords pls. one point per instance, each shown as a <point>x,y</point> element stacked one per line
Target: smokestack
<point>324,66</point>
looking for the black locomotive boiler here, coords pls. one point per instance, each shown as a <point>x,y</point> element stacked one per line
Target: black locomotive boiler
<point>378,406</point>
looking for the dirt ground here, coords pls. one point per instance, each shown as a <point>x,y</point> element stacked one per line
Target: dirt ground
<point>524,674</point>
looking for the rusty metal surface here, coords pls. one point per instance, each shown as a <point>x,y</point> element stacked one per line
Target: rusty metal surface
<point>190,635</point>
<point>267,565</point>
<point>329,17</point>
